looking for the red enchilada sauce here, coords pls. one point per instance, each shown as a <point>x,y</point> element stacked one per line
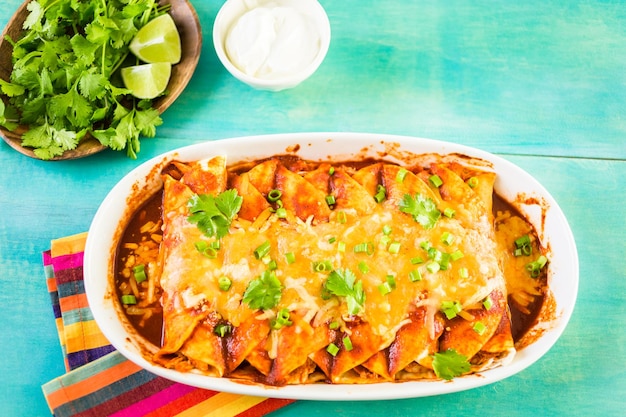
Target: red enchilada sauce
<point>143,233</point>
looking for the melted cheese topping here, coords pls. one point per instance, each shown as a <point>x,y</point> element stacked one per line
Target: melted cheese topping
<point>194,277</point>
<point>190,280</point>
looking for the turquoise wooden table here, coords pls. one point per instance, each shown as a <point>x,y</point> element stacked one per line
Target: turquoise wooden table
<point>539,82</point>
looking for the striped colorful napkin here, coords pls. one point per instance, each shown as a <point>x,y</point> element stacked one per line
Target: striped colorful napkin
<point>99,380</point>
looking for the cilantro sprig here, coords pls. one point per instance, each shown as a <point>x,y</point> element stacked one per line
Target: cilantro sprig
<point>213,215</point>
<point>341,282</point>
<point>423,209</point>
<point>450,364</point>
<point>263,292</point>
<point>63,85</point>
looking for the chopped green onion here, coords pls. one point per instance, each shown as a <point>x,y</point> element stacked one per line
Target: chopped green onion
<point>274,195</point>
<point>463,272</point>
<point>342,217</point>
<point>222,329</point>
<point>332,239</point>
<point>434,254</point>
<point>262,250</point>
<point>206,249</point>
<point>381,194</point>
<point>401,175</point>
<point>215,244</point>
<point>523,246</point>
<point>435,180</point>
<point>365,247</point>
<point>456,255</point>
<point>522,241</point>
<point>139,273</point>
<point>281,320</point>
<point>387,230</point>
<point>433,267</point>
<point>449,212</point>
<point>385,240</point>
<point>384,288</point>
<point>472,182</point>
<point>487,303</point>
<point>290,258</point>
<point>479,328</point>
<point>417,260</point>
<point>535,267</point>
<point>415,275</point>
<point>444,263</point>
<point>363,267</point>
<point>391,280</point>
<point>281,213</point>
<point>224,283</point>
<point>451,309</point>
<point>347,343</point>
<point>322,266</point>
<point>334,325</point>
<point>394,248</point>
<point>341,246</point>
<point>129,299</point>
<point>447,238</point>
<point>331,170</point>
<point>425,245</point>
<point>272,265</point>
<point>332,349</point>
<point>330,200</point>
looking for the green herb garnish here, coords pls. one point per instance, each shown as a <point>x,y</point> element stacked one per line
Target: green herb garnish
<point>281,320</point>
<point>423,209</point>
<point>223,329</point>
<point>213,215</point>
<point>450,364</point>
<point>342,283</point>
<point>535,267</point>
<point>263,292</point>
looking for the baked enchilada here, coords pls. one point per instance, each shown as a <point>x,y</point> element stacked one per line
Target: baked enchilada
<point>286,271</point>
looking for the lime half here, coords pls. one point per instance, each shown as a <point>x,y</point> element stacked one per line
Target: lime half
<point>147,80</point>
<point>157,41</point>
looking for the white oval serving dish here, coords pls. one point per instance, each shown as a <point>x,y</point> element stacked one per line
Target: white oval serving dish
<point>513,183</point>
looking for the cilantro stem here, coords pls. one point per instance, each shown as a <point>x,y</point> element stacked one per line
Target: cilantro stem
<point>51,5</point>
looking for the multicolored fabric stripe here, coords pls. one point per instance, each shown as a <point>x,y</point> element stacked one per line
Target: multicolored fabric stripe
<point>82,340</point>
<point>100,381</point>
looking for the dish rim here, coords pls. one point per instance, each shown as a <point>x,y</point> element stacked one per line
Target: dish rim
<point>101,236</point>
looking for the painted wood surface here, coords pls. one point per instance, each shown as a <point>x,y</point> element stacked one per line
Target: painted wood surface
<point>541,83</point>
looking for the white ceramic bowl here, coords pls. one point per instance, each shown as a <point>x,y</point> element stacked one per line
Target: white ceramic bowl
<point>512,183</point>
<point>227,18</point>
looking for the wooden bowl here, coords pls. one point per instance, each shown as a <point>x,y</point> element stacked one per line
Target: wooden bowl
<point>188,25</point>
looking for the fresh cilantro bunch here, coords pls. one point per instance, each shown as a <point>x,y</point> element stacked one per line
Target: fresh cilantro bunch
<point>213,215</point>
<point>341,282</point>
<point>63,85</point>
<point>423,209</point>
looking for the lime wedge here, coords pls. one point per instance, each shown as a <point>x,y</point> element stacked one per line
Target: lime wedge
<point>147,80</point>
<point>157,41</point>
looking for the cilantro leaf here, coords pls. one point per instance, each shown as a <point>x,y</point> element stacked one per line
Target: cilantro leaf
<point>10,89</point>
<point>213,215</point>
<point>35,15</point>
<point>263,292</point>
<point>423,209</point>
<point>450,364</point>
<point>342,283</point>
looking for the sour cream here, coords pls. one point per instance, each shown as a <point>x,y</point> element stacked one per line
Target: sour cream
<point>272,40</point>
